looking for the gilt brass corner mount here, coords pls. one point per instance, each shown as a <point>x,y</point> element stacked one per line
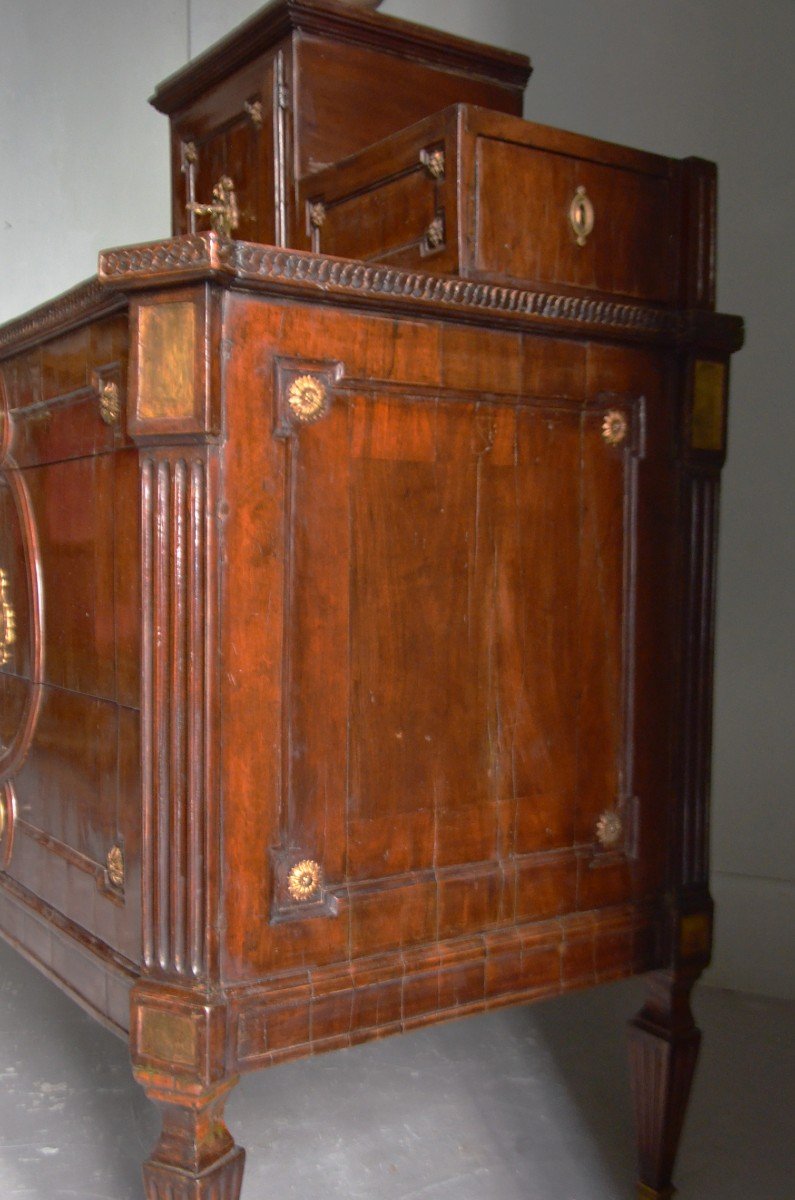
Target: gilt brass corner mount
<point>317,214</point>
<point>434,162</point>
<point>109,403</point>
<point>434,234</point>
<point>254,112</point>
<point>114,865</point>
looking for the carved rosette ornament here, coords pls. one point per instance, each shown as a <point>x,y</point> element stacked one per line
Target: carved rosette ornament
<point>615,427</point>
<point>303,880</point>
<point>609,830</point>
<point>307,398</point>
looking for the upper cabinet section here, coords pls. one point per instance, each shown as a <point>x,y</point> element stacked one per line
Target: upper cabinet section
<point>301,85</point>
<point>487,196</point>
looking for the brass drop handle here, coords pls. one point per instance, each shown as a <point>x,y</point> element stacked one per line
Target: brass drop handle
<point>223,212</point>
<point>581,216</point>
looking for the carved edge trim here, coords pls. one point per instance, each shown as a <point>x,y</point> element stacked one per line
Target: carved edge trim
<point>325,1008</point>
<point>355,25</point>
<point>15,754</point>
<point>77,306</point>
<point>301,272</point>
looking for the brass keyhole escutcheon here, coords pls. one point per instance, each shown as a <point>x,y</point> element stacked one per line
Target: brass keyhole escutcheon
<point>581,216</point>
<point>304,879</point>
<point>8,624</point>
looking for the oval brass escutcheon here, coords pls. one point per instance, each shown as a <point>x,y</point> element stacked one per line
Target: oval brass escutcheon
<point>581,216</point>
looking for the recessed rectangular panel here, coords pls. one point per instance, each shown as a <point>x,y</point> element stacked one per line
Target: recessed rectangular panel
<point>628,250</point>
<point>709,403</point>
<point>449,561</point>
<point>167,348</point>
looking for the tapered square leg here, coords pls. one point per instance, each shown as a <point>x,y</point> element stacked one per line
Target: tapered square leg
<point>664,1046</point>
<point>196,1157</point>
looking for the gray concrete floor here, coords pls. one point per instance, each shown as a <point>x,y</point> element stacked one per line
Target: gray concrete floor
<point>524,1104</point>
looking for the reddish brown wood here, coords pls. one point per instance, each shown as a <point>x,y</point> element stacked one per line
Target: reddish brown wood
<point>356,671</point>
<point>501,207</point>
<point>328,80</point>
<point>664,1046</point>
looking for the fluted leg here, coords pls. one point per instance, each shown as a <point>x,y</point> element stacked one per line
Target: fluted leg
<point>196,1157</point>
<point>664,1045</point>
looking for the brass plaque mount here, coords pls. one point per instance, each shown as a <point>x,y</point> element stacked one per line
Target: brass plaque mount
<point>708,419</point>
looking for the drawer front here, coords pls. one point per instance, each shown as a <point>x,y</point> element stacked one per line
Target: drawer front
<point>491,197</point>
<point>395,219</point>
<point>393,203</point>
<point>554,219</point>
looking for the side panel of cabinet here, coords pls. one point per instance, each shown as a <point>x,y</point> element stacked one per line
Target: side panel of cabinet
<point>433,641</point>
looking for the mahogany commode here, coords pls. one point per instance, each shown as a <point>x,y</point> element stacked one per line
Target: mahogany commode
<point>356,642</point>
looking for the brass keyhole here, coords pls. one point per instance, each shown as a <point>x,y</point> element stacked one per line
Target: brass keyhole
<point>581,216</point>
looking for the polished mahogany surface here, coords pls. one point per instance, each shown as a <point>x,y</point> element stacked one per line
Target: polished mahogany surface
<point>356,621</point>
<point>488,196</point>
<point>305,83</point>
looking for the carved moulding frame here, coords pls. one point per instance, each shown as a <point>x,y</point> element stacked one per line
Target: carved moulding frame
<point>303,395</point>
<point>12,760</point>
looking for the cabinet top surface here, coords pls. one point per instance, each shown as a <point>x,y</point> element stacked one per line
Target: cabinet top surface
<point>339,22</point>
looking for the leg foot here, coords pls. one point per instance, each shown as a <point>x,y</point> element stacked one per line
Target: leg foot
<point>647,1193</point>
<point>196,1157</point>
<point>664,1045</point>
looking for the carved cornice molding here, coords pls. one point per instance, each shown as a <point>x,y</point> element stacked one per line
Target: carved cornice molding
<point>339,22</point>
<point>307,276</point>
<point>303,274</point>
<point>80,304</point>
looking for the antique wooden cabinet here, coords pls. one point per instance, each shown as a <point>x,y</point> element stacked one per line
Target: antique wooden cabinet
<point>355,655</point>
<point>303,84</point>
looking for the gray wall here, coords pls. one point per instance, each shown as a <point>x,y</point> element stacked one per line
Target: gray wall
<point>84,165</point>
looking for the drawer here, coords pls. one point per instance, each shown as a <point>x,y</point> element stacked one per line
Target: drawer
<point>486,196</point>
